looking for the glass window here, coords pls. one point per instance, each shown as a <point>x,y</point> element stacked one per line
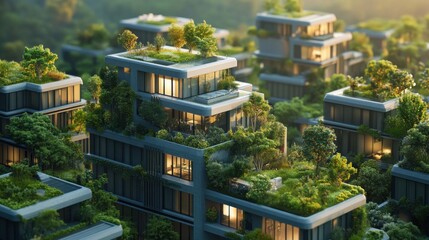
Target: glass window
<point>77,93</point>
<point>231,216</point>
<point>70,95</point>
<point>279,231</point>
<point>178,201</point>
<point>178,167</point>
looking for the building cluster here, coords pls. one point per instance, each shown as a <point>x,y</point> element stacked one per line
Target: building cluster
<point>176,183</point>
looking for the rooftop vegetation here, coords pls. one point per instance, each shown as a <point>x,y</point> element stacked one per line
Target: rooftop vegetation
<point>291,8</point>
<point>23,188</point>
<point>156,19</point>
<point>198,36</point>
<point>384,81</point>
<point>37,66</point>
<point>415,148</point>
<point>95,36</point>
<point>378,25</point>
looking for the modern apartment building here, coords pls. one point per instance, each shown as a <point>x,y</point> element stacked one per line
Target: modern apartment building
<point>290,47</point>
<point>377,37</point>
<point>17,224</point>
<point>175,186</point>
<point>346,114</point>
<point>58,100</point>
<point>147,26</point>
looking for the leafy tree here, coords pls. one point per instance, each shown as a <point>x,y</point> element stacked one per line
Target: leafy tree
<point>207,46</point>
<point>189,34</point>
<point>319,145</point>
<point>337,81</point>
<point>63,10</point>
<point>378,73</point>
<point>109,79</point>
<point>361,43</point>
<point>339,170</point>
<point>177,36</point>
<point>275,131</point>
<point>128,40</point>
<point>260,184</point>
<point>10,72</point>
<point>287,112</point>
<point>400,81</point>
<point>411,111</point>
<point>159,42</point>
<point>256,109</point>
<point>153,112</point>
<point>52,148</point>
<point>215,135</point>
<point>204,30</point>
<point>423,79</point>
<point>94,87</point>
<point>272,5</point>
<point>215,175</point>
<point>409,30</point>
<point>293,6</point>
<point>415,148</point>
<point>368,175</point>
<point>38,61</point>
<point>95,35</point>
<point>196,141</point>
<point>79,121</point>
<point>122,100</point>
<point>160,229</point>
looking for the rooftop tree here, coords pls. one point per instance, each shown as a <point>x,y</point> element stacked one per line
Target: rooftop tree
<point>38,61</point>
<point>189,33</point>
<point>415,148</point>
<point>94,87</point>
<point>159,42</point>
<point>128,40</point>
<point>256,109</point>
<point>176,34</point>
<point>293,6</point>
<point>319,145</point>
<point>51,147</point>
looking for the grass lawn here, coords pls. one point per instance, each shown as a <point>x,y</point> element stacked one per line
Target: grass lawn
<point>365,91</point>
<point>378,25</point>
<point>169,55</point>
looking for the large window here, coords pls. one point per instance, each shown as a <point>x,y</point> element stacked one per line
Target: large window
<point>231,216</point>
<point>315,53</point>
<point>279,231</point>
<point>177,201</point>
<point>178,167</point>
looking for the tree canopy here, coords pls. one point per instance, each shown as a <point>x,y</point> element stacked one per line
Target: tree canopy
<point>38,61</point>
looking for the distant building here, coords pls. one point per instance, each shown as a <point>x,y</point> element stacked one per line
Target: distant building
<point>377,37</point>
<point>290,47</point>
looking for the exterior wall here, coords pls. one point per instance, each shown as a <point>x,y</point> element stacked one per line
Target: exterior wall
<point>284,91</point>
<point>410,184</point>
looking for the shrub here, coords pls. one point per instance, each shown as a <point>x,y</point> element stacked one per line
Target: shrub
<point>163,134</point>
<point>215,135</point>
<point>260,184</point>
<point>374,235</point>
<point>215,175</point>
<point>227,83</point>
<point>179,138</point>
<point>402,230</point>
<point>211,214</point>
<point>196,141</point>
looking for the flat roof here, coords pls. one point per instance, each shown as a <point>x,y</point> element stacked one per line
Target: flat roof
<point>43,87</point>
<point>179,70</point>
<point>336,38</point>
<point>312,19</point>
<point>338,97</point>
<point>98,231</point>
<point>72,194</point>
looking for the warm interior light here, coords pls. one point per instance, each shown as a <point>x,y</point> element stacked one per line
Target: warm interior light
<point>387,151</point>
<point>225,210</point>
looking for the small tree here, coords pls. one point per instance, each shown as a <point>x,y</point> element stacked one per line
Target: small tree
<point>38,61</point>
<point>189,34</point>
<point>207,46</point>
<point>378,73</point>
<point>227,83</point>
<point>204,30</point>
<point>159,42</point>
<point>46,222</point>
<point>160,229</point>
<point>260,184</point>
<point>94,87</point>
<point>153,112</point>
<point>293,6</point>
<point>400,81</point>
<point>272,5</point>
<point>319,145</point>
<point>177,36</point>
<point>256,109</point>
<point>128,40</point>
<point>339,170</point>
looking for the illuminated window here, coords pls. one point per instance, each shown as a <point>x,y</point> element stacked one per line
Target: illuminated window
<point>231,216</point>
<point>126,70</point>
<point>178,167</point>
<point>279,231</point>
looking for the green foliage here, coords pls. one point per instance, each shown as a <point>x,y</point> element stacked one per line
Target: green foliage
<point>51,147</point>
<point>65,231</point>
<point>17,193</point>
<point>319,145</point>
<point>338,233</point>
<point>337,81</point>
<point>369,174</point>
<point>360,221</point>
<point>207,46</point>
<point>94,87</point>
<point>196,141</point>
<point>227,83</point>
<point>153,112</point>
<point>121,105</point>
<point>127,40</point>
<point>212,214</point>
<point>401,230</point>
<point>163,134</point>
<point>159,42</point>
<point>411,111</point>
<point>374,235</point>
<point>96,116</point>
<point>160,229</point>
<point>415,148</point>
<point>378,217</point>
<point>293,6</point>
<point>260,184</point>
<point>176,34</point>
<point>215,135</point>
<point>256,109</point>
<point>339,170</point>
<point>46,222</point>
<point>94,36</point>
<point>22,170</point>
<point>287,112</point>
<point>79,121</point>
<point>365,130</point>
<point>361,43</point>
<point>178,138</point>
<point>10,73</point>
<point>272,5</point>
<point>216,178</point>
<point>189,33</point>
<point>173,56</point>
<point>38,61</point>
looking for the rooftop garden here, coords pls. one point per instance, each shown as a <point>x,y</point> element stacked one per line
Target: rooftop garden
<point>37,66</point>
<point>156,19</point>
<point>382,81</point>
<point>378,25</point>
<point>198,36</point>
<point>291,8</point>
<point>415,148</point>
<point>23,188</point>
